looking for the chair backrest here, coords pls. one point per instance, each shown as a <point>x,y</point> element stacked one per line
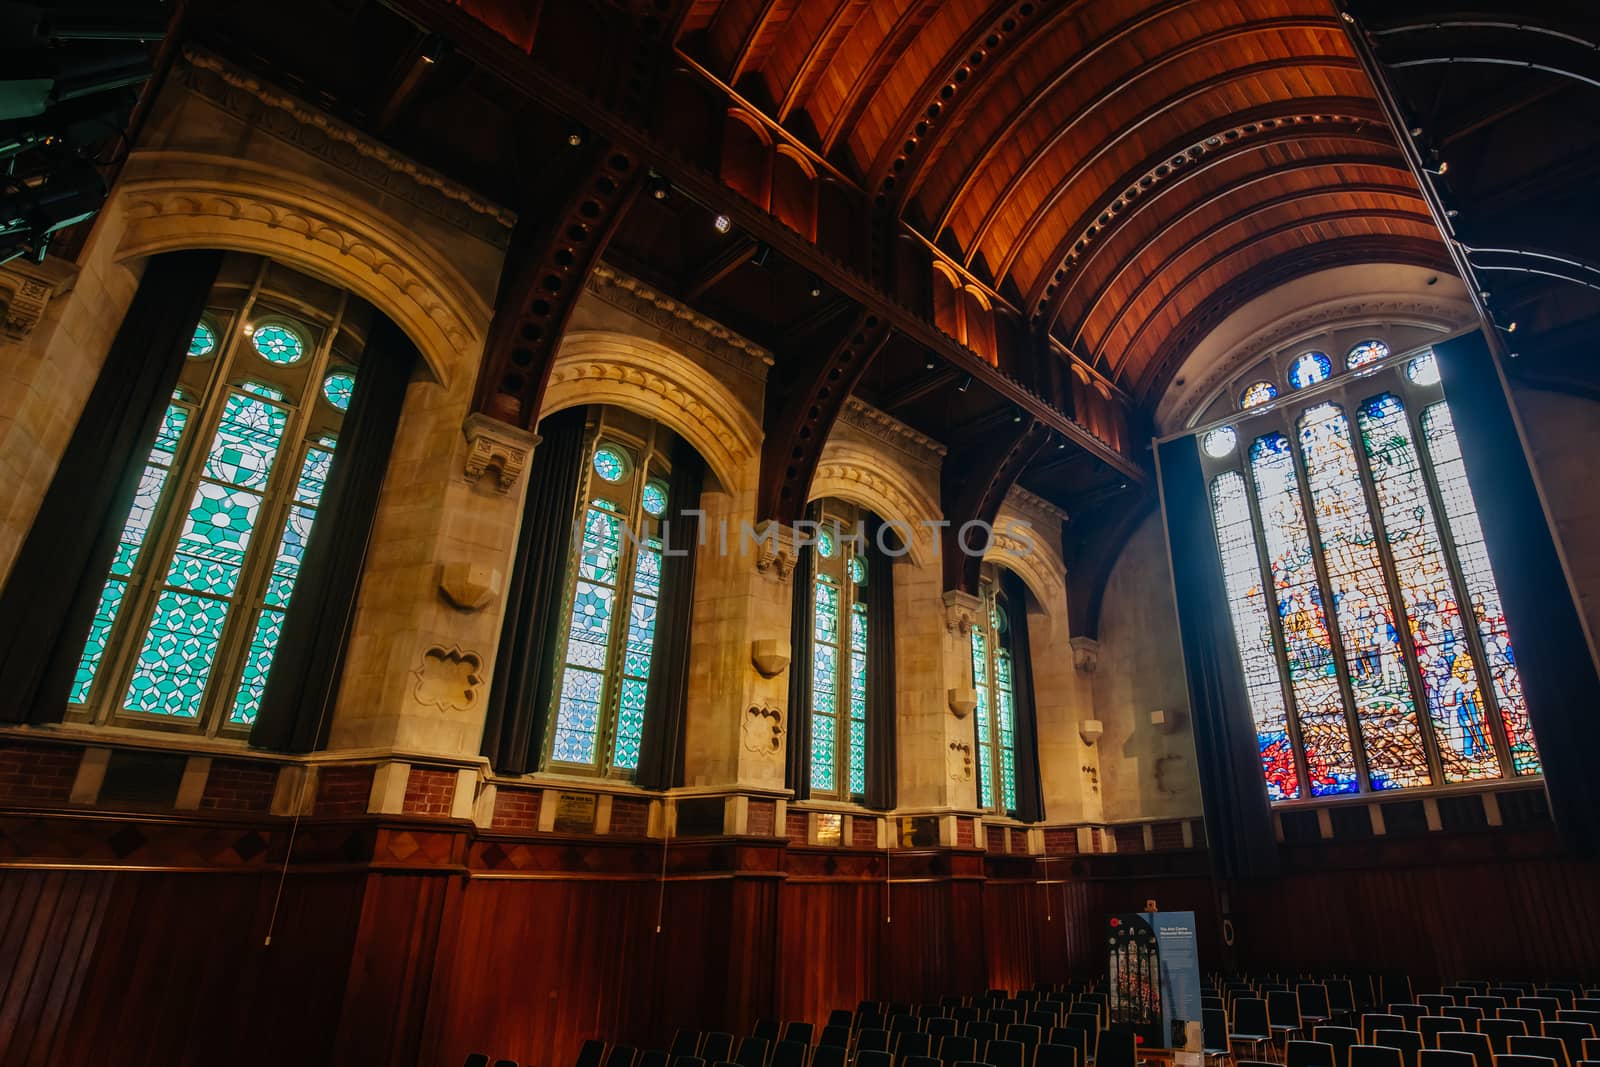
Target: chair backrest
<point>1308,1054</point>
<point>1001,1016</point>
<point>1025,1034</point>
<point>1394,989</point>
<point>505,1063</point>
<point>767,1029</point>
<point>1487,1003</point>
<point>1581,1015</point>
<point>834,1037</point>
<point>1529,1017</point>
<point>1467,1013</point>
<point>911,1043</point>
<point>696,1061</point>
<point>941,1026</point>
<point>841,1017</point>
<point>1341,1038</point>
<point>1250,1016</point>
<point>899,1024</point>
<point>1469,1041</point>
<point>1375,1056</point>
<point>1341,996</point>
<point>800,1032</point>
<point>1044,1020</point>
<point>983,1031</point>
<point>1409,1012</point>
<point>1512,1060</point>
<point>1313,1000</point>
<point>788,1053</point>
<point>622,1056</point>
<point>685,1043</point>
<point>1283,1008</point>
<point>1572,1035</point>
<point>1431,1027</point>
<point>476,1059</point>
<point>965,1013</point>
<point>1499,1032</point>
<point>1076,1037</point>
<point>1562,996</point>
<point>1506,990</point>
<point>874,1058</point>
<point>1545,1006</point>
<point>1548,1047</point>
<point>1116,1049</point>
<point>752,1052</point>
<point>1409,1042</point>
<point>1005,1054</point>
<point>829,1056</point>
<point>919,1061</point>
<point>592,1053</point>
<point>716,1046</point>
<point>1214,1026</point>
<point>1591,1049</point>
<point>1435,1057</point>
<point>1460,993</point>
<point>1056,1056</point>
<point>1436,1002</point>
<point>652,1057</point>
<point>873,1041</point>
<point>953,1048</point>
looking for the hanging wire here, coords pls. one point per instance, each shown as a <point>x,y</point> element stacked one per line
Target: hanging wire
<point>888,877</point>
<point>661,885</point>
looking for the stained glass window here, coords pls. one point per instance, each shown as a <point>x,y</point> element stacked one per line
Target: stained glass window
<point>839,660</point>
<point>1309,368</point>
<point>1258,393</point>
<point>1364,353</point>
<point>994,723</point>
<point>1370,674</point>
<point>204,341</point>
<point>278,343</point>
<point>1220,442</point>
<point>603,688</point>
<point>188,621</point>
<point>338,388</point>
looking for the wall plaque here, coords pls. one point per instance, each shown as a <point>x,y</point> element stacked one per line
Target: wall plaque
<point>575,813</point>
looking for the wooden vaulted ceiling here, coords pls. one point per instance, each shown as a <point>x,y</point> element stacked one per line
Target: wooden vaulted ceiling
<point>1121,172</point>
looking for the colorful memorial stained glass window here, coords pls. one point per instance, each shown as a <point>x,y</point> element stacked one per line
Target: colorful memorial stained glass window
<point>338,388</point>
<point>278,343</point>
<point>1364,353</point>
<point>614,592</point>
<point>204,341</point>
<point>1309,368</point>
<point>994,722</point>
<point>1373,673</point>
<point>1220,442</point>
<point>1258,393</point>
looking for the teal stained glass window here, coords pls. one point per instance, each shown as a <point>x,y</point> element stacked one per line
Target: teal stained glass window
<point>1386,663</point>
<point>278,343</point>
<point>1366,352</point>
<point>603,690</point>
<point>1258,393</point>
<point>338,388</point>
<point>994,722</point>
<point>1309,368</point>
<point>204,341</point>
<point>839,664</point>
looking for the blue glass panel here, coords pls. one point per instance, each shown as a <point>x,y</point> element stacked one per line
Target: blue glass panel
<point>1309,368</point>
<point>204,341</point>
<point>338,388</point>
<point>278,343</point>
<point>610,463</point>
<point>257,663</point>
<point>169,677</point>
<point>655,498</point>
<point>1258,393</point>
<point>1366,352</point>
<point>602,543</point>
<point>577,716</point>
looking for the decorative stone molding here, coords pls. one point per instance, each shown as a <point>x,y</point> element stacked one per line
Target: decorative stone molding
<point>768,657</point>
<point>265,107</point>
<point>498,446</point>
<point>885,428</point>
<point>1085,654</point>
<point>775,552</point>
<point>1033,507</point>
<point>1090,730</point>
<point>469,586</point>
<point>629,294</point>
<point>448,678</point>
<point>26,290</point>
<point>962,701</point>
<point>959,760</point>
<point>851,472</point>
<point>763,730</point>
<point>962,611</point>
<point>606,367</point>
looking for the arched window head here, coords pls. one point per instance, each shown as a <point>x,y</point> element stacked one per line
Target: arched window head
<point>1424,370</point>
<point>188,622</point>
<point>1366,352</point>
<point>1220,443</point>
<point>1256,394</point>
<point>613,588</point>
<point>1309,368</point>
<point>839,664</point>
<point>993,677</point>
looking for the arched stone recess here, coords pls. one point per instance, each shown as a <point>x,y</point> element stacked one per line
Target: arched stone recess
<point>1028,543</point>
<point>606,367</point>
<point>856,473</point>
<point>174,200</point>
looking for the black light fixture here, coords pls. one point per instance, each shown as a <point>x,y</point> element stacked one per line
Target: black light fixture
<point>1512,328</point>
<point>928,362</point>
<point>762,254</point>
<point>815,286</point>
<point>1061,444</point>
<point>1016,415</point>
<point>658,186</point>
<point>966,383</point>
<point>1442,169</point>
<point>432,48</point>
<point>575,136</point>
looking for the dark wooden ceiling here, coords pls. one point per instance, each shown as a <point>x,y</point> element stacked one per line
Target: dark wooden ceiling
<point>1107,167</point>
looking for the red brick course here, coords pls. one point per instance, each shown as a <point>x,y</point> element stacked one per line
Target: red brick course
<point>864,832</point>
<point>38,774</point>
<point>1061,842</point>
<point>630,817</point>
<point>343,791</point>
<point>763,817</point>
<point>239,785</point>
<point>794,827</point>
<point>430,792</point>
<point>515,809</point>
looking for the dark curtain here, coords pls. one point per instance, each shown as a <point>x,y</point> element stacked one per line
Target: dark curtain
<point>55,584</point>
<point>882,718</point>
<point>1238,820</point>
<point>1025,723</point>
<point>667,706</point>
<point>304,680</point>
<point>530,637</point>
<point>797,765</point>
<point>1558,672</point>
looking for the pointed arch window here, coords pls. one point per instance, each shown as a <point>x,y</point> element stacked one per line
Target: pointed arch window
<point>1364,608</point>
<point>187,624</point>
<point>602,682</point>
<point>995,679</point>
<point>839,654</point>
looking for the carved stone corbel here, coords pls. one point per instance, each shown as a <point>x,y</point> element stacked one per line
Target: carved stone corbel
<point>26,289</point>
<point>775,551</point>
<point>498,446</point>
<point>1085,654</point>
<point>962,611</point>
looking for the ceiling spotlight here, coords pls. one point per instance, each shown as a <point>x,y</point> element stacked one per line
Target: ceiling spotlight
<point>966,383</point>
<point>1507,329</point>
<point>722,224</point>
<point>432,48</point>
<point>762,254</point>
<point>1061,444</point>
<point>1016,416</point>
<point>1451,213</point>
<point>658,186</point>
<point>1442,169</point>
<point>928,362</point>
<point>816,286</point>
<point>575,136</point>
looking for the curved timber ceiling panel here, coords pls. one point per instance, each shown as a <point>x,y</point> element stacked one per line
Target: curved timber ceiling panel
<point>1112,167</point>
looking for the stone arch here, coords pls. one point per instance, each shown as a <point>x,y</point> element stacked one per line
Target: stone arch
<point>855,473</point>
<point>1033,559</point>
<point>605,367</point>
<point>204,201</point>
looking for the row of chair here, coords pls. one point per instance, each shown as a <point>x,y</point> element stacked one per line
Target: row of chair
<point>1334,1046</point>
